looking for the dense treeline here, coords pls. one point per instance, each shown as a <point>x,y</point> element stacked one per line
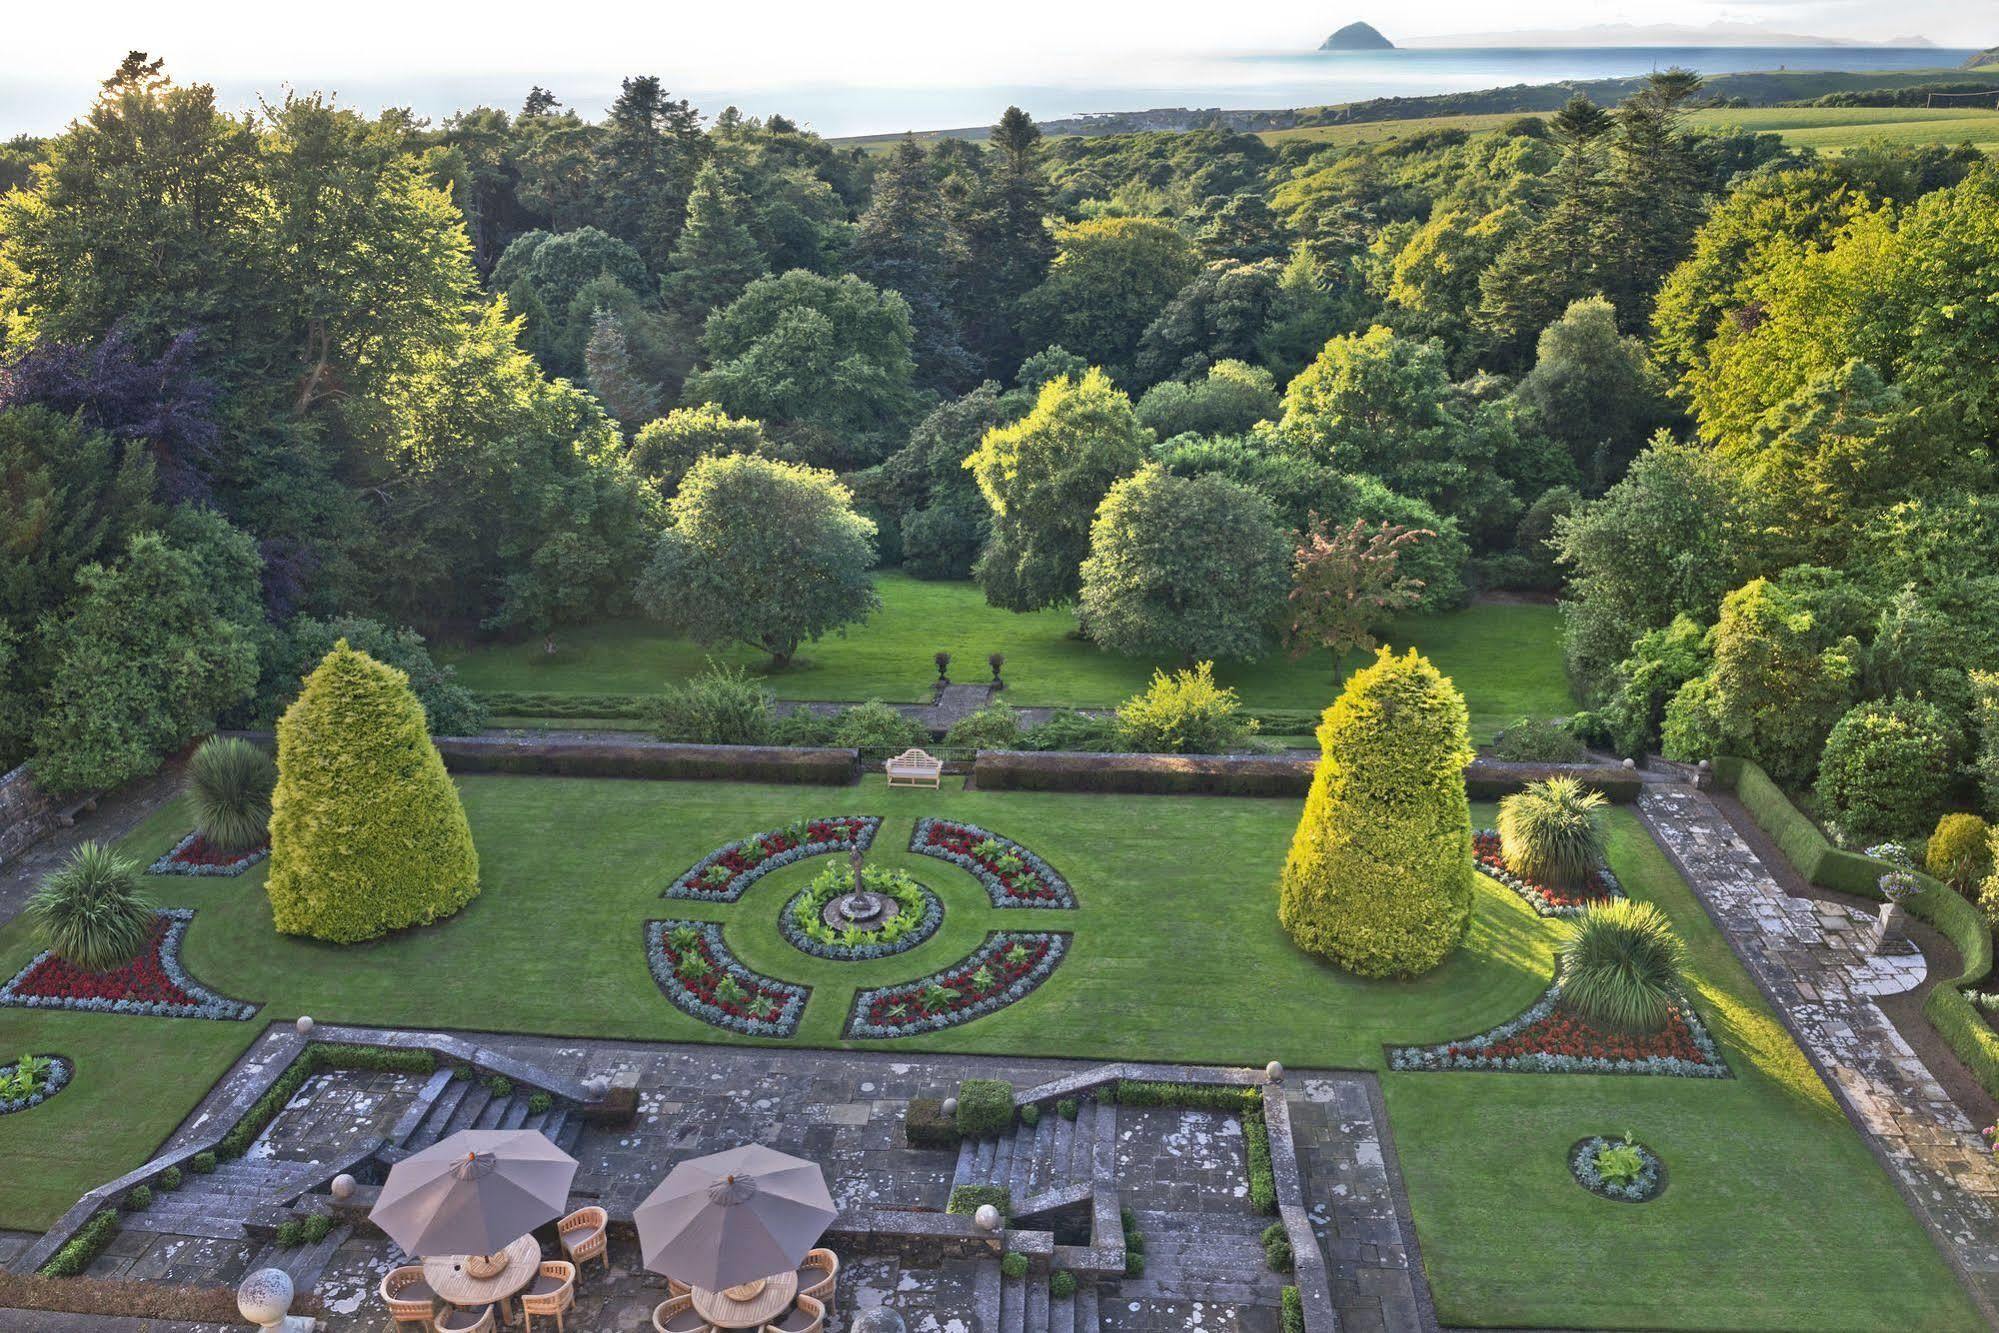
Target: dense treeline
<point>264,372</point>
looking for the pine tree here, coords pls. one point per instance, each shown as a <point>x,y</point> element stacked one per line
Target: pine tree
<point>1556,261</point>
<point>902,244</point>
<point>367,834</point>
<point>1006,246</point>
<point>717,253</point>
<point>644,168</point>
<point>1379,878</point>
<point>607,363</point>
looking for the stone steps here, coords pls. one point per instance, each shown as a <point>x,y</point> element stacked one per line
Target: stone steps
<point>1062,1313</point>
<point>1086,1308</point>
<point>1013,1304</point>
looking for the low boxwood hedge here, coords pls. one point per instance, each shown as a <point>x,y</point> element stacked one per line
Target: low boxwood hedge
<point>648,759</point>
<point>985,1107</point>
<point>1238,775</point>
<point>968,1199</point>
<point>546,703</point>
<point>924,1124</point>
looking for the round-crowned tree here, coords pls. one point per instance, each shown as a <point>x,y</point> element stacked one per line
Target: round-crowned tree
<point>1379,878</point>
<point>367,834</point>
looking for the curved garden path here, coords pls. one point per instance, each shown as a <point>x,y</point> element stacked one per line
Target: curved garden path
<point>1812,961</point>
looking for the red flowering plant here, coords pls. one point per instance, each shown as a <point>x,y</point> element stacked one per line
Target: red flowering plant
<point>195,855</point>
<point>726,873</point>
<point>150,982</point>
<point>1549,1039</point>
<point>1545,899</point>
<point>695,970</point>
<point>1012,875</point>
<point>1006,968</point>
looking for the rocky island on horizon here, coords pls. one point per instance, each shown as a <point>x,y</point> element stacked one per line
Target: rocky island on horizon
<point>1357,36</point>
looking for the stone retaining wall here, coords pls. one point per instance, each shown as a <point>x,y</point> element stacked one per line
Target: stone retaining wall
<point>26,812</point>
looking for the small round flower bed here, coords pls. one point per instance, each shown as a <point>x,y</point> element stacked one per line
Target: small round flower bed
<point>32,1080</point>
<point>1549,1040</point>
<point>1000,972</point>
<point>153,982</point>
<point>726,873</point>
<point>696,971</point>
<point>1620,1169</point>
<point>916,913</point>
<point>1545,899</point>
<point>1012,875</point>
<point>193,855</point>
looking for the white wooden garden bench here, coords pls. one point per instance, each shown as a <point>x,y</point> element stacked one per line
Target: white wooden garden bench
<point>915,768</point>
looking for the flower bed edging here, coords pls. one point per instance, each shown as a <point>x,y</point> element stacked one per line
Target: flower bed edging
<point>175,860</point>
<point>839,951</point>
<point>163,987</point>
<point>1649,1185</point>
<point>1544,900</point>
<point>1535,1042</point>
<point>899,1011</point>
<point>1036,884</point>
<point>700,997</point>
<point>780,847</point>
<point>57,1078</point>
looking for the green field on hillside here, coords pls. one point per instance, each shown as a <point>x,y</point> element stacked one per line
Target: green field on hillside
<point>1827,128</point>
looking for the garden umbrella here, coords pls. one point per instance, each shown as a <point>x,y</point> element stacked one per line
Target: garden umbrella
<point>718,1221</point>
<point>475,1192</point>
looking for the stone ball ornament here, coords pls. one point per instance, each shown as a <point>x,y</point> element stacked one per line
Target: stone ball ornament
<point>265,1297</point>
<point>1631,763</point>
<point>881,1319</point>
<point>987,1218</point>
<point>305,1025</point>
<point>950,1106</point>
<point>1274,1071</point>
<point>343,1186</point>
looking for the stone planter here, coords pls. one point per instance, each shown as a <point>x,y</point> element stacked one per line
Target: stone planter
<point>1893,918</point>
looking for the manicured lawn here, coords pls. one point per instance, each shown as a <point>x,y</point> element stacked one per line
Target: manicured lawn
<point>1775,1215</point>
<point>1505,657</point>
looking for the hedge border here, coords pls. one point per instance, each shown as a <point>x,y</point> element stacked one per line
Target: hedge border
<point>1244,775</point>
<point>1813,856</point>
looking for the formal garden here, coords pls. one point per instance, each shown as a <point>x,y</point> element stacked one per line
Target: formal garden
<point>1157,928</point>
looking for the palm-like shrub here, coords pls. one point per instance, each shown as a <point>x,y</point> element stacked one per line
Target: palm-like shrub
<point>229,783</point>
<point>1550,832</point>
<point>1621,966</point>
<point>90,911</point>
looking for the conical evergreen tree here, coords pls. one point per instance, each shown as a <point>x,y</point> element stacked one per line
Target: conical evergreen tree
<point>607,364</point>
<point>367,835</point>
<point>1379,878</point>
<point>717,253</point>
<point>903,244</point>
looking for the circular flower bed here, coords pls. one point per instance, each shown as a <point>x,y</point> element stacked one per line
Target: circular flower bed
<point>1620,1169</point>
<point>1012,875</point>
<point>696,971</point>
<point>726,873</point>
<point>918,913</point>
<point>32,1080</point>
<point>1543,898</point>
<point>193,855</point>
<point>1003,970</point>
<point>153,982</point>
<point>1549,1040</point>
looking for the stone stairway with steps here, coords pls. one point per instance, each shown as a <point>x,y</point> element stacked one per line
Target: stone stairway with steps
<point>447,1104</point>
<point>1047,1164</point>
<point>1025,1305</point>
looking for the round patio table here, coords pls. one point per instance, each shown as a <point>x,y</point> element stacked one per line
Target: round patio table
<point>455,1285</point>
<point>751,1305</point>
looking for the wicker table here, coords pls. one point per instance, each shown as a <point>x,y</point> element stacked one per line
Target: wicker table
<point>751,1305</point>
<point>448,1277</point>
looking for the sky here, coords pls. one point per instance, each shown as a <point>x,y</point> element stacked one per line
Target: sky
<point>437,55</point>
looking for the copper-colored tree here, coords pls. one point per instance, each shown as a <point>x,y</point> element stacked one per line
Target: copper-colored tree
<point>1346,582</point>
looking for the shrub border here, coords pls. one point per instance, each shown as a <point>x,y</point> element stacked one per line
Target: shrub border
<point>866,951</point>
<point>683,887</point>
<point>1651,1182</point>
<point>1414,1059</point>
<point>1065,896</point>
<point>1814,857</point>
<point>61,1070</point>
<point>168,864</point>
<point>1017,990</point>
<point>207,1003</point>
<point>687,1002</point>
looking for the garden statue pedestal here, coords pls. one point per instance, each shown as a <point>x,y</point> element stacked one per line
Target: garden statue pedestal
<point>1889,929</point>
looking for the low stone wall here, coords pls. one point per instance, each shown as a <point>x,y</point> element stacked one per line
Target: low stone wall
<point>26,812</point>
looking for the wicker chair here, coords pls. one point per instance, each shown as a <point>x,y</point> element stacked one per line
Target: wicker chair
<point>675,1287</point>
<point>584,1236</point>
<point>552,1291</point>
<point>808,1316</point>
<point>818,1276</point>
<point>479,1319</point>
<point>676,1314</point>
<point>409,1297</point>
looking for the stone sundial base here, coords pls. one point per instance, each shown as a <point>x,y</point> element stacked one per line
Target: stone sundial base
<point>861,909</point>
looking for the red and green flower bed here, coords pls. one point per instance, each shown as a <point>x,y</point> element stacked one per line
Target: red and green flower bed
<point>195,855</point>
<point>1546,899</point>
<point>702,979</point>
<point>153,982</point>
<point>1548,1039</point>
<point>1012,875</point>
<point>1002,971</point>
<point>726,873</point>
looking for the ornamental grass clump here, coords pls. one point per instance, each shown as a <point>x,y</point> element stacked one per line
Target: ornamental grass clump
<point>229,784</point>
<point>90,911</point>
<point>367,833</point>
<point>1620,967</point>
<point>1379,879</point>
<point>1551,832</point>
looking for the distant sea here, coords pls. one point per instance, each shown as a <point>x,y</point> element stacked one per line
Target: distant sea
<point>1269,80</point>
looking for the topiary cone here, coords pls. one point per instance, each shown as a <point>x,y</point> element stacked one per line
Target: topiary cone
<point>1379,879</point>
<point>367,834</point>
